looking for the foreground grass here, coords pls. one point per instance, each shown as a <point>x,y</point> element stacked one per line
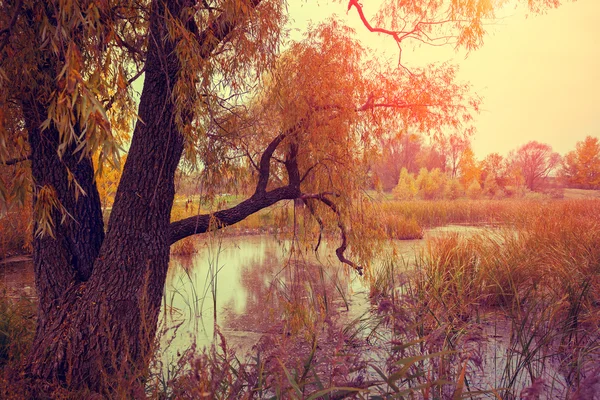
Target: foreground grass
<point>517,309</point>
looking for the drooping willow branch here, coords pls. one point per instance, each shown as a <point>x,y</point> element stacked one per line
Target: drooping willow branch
<point>319,220</point>
<point>217,30</point>
<point>129,82</point>
<point>322,197</point>
<point>263,198</point>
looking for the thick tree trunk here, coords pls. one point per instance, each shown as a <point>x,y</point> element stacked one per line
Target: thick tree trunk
<point>68,255</point>
<point>100,294</point>
<point>101,326</point>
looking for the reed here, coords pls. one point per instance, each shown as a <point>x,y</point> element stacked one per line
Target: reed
<point>534,284</point>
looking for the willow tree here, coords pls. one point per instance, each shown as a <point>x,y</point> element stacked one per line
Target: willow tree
<point>215,89</point>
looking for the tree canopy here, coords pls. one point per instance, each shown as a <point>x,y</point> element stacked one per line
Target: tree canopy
<point>581,167</point>
<point>535,161</point>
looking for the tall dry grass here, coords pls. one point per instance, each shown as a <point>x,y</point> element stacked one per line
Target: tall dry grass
<point>519,305</point>
<point>463,211</point>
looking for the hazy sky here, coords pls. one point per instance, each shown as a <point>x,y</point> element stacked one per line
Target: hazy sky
<point>539,76</point>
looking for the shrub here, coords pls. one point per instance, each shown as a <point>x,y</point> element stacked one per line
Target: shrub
<point>406,188</point>
<point>490,186</point>
<point>454,189</point>
<point>431,184</point>
<point>474,190</point>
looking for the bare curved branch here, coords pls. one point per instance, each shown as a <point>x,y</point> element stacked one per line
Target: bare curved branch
<point>259,200</point>
<point>322,197</point>
<point>205,222</point>
<point>262,199</point>
<point>366,23</point>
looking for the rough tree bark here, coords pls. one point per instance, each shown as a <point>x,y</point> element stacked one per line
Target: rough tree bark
<point>100,298</point>
<point>70,254</point>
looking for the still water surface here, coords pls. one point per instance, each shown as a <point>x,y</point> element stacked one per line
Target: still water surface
<point>242,285</point>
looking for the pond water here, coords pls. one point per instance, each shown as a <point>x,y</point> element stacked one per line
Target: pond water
<point>242,284</point>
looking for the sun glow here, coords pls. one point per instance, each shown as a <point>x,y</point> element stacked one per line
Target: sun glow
<point>538,74</point>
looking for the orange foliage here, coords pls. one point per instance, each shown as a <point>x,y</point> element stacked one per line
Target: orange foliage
<point>107,181</point>
<point>581,167</point>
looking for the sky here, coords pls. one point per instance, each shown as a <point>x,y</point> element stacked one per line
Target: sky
<point>538,75</point>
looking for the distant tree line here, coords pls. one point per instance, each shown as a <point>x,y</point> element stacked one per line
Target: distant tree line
<point>410,167</point>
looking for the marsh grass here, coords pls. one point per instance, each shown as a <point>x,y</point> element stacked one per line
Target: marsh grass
<point>521,302</point>
<point>402,228</point>
<point>432,213</point>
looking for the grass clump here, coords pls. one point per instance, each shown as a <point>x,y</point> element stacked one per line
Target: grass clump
<point>17,326</point>
<point>401,228</point>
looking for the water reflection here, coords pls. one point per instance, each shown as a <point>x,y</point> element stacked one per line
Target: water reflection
<point>201,289</point>
<point>246,285</point>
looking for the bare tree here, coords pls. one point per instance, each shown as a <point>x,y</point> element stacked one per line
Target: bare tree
<point>535,161</point>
